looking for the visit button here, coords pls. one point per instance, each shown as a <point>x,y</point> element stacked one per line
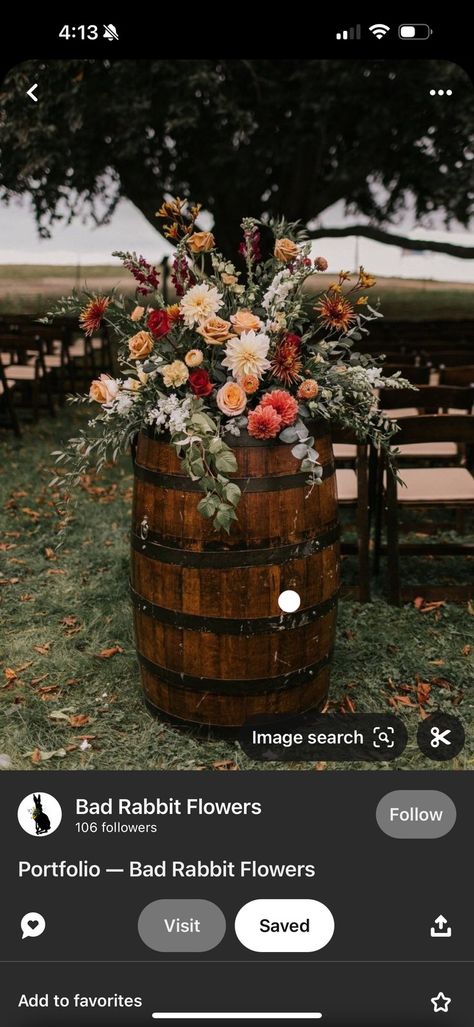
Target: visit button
<point>284,925</point>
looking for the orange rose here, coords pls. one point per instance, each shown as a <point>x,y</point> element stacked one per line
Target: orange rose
<point>245,321</point>
<point>103,389</point>
<point>308,389</point>
<point>201,242</point>
<point>215,330</point>
<point>231,399</point>
<point>137,313</point>
<point>140,345</point>
<point>285,250</point>
<point>249,383</point>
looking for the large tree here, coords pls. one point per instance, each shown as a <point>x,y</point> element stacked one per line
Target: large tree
<point>242,136</point>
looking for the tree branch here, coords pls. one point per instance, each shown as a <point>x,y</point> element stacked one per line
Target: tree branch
<point>378,235</point>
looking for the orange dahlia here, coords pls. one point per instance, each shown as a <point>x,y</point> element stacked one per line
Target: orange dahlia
<point>335,311</point>
<point>263,423</point>
<point>90,318</point>
<point>284,404</point>
<point>308,389</point>
<point>174,313</point>
<point>286,364</point>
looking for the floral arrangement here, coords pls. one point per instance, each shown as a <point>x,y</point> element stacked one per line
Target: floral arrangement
<point>239,350</point>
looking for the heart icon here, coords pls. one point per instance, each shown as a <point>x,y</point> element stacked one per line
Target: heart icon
<point>33,924</point>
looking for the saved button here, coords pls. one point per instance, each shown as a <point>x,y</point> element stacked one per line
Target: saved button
<point>284,925</point>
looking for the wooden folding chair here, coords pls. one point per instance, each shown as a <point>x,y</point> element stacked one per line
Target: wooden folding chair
<point>462,375</point>
<point>6,401</point>
<point>24,366</point>
<point>353,491</point>
<point>451,488</point>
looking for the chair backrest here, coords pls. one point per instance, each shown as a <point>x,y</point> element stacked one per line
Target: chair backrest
<point>449,358</point>
<point>435,428</point>
<point>20,346</point>
<point>416,375</point>
<point>429,398</point>
<point>463,375</point>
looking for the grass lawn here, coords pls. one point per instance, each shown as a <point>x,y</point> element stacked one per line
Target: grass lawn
<point>70,690</point>
<point>32,288</point>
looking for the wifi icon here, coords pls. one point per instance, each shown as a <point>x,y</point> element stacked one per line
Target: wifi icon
<point>379,31</point>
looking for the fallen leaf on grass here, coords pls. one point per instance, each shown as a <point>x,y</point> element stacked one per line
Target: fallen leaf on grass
<point>403,700</point>
<point>34,514</point>
<point>85,745</point>
<point>9,581</point>
<point>470,608</point>
<point>10,674</point>
<point>5,546</point>
<point>55,570</point>
<point>466,651</point>
<point>437,663</point>
<point>36,681</point>
<point>423,606</point>
<point>25,598</point>
<point>43,649</point>
<point>69,621</point>
<point>50,554</point>
<point>5,761</point>
<point>106,654</point>
<point>58,715</point>
<point>225,765</point>
<point>423,692</point>
<point>79,720</point>
<point>320,765</point>
<point>41,755</point>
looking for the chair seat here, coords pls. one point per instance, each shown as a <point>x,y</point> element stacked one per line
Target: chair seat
<point>51,360</point>
<point>78,348</point>
<point>22,372</point>
<point>435,484</point>
<point>346,485</point>
<point>396,414</point>
<point>97,344</point>
<point>429,449</point>
<point>344,452</point>
<point>9,385</point>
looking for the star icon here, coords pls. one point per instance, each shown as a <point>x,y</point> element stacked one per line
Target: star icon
<point>440,1003</point>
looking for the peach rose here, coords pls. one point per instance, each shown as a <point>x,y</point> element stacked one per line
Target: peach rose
<point>231,399</point>
<point>245,321</point>
<point>137,313</point>
<point>194,357</point>
<point>201,242</point>
<point>140,345</point>
<point>285,250</point>
<point>215,330</point>
<point>228,279</point>
<point>103,389</point>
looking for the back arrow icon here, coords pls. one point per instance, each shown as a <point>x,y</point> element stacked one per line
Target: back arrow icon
<point>31,92</point>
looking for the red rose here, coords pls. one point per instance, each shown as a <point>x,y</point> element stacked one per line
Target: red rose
<point>290,339</point>
<point>158,323</point>
<point>200,383</point>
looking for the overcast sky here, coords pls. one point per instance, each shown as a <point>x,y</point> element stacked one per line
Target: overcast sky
<point>83,244</point>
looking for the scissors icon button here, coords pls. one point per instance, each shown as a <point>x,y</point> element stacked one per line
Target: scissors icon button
<point>439,737</point>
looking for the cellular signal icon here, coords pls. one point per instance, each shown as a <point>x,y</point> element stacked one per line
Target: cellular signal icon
<point>110,32</point>
<point>353,33</point>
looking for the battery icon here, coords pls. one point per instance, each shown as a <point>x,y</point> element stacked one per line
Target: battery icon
<point>414,31</point>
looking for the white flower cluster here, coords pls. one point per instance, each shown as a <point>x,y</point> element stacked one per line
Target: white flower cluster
<point>279,288</point>
<point>171,413</point>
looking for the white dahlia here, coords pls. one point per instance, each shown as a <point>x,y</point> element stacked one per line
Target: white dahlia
<point>247,354</point>
<point>200,303</point>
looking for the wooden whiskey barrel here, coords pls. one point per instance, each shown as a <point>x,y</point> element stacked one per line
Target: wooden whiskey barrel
<point>213,645</point>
